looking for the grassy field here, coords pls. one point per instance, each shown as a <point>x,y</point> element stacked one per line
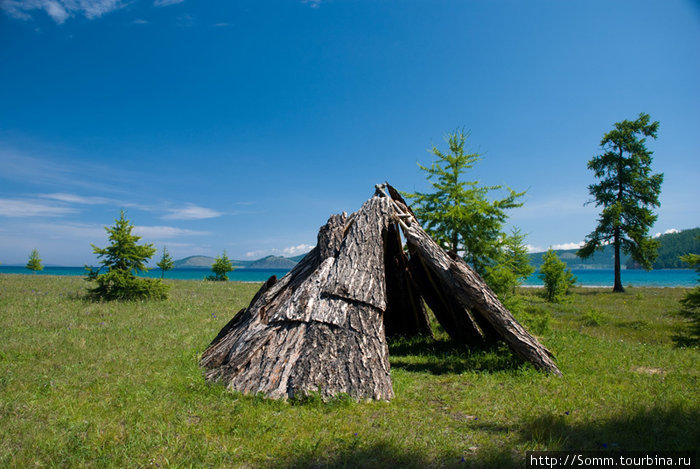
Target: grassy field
<point>117,385</point>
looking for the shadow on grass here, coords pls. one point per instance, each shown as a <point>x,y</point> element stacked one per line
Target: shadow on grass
<point>596,291</point>
<point>383,455</point>
<point>655,429</point>
<point>688,334</point>
<point>425,354</point>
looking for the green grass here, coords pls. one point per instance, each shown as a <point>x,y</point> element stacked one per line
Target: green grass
<point>86,384</point>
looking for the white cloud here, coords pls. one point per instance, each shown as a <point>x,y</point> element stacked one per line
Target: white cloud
<point>25,208</point>
<point>165,3</point>
<point>93,200</point>
<point>139,21</point>
<point>298,249</point>
<point>669,231</point>
<point>191,212</point>
<point>563,246</point>
<point>60,10</point>
<point>164,232</point>
<point>76,199</point>
<point>259,253</point>
<point>567,245</point>
<point>290,251</point>
<point>312,3</point>
<point>56,11</point>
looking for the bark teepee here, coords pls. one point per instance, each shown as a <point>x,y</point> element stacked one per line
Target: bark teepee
<point>322,327</point>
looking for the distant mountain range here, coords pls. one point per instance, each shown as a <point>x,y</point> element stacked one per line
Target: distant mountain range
<point>672,246</point>
<point>604,259</point>
<point>269,262</point>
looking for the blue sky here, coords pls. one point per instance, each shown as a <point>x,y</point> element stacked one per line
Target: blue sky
<point>242,125</point>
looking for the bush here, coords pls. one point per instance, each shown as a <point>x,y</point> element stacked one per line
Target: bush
<point>123,285</point>
<point>594,317</point>
<point>535,319</point>
<point>557,278</point>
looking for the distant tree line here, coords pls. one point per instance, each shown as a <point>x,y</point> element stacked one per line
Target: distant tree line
<point>671,247</point>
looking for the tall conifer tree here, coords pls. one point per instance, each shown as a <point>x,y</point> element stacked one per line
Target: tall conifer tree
<point>627,191</point>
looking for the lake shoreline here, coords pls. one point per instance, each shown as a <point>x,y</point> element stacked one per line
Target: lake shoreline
<point>586,278</point>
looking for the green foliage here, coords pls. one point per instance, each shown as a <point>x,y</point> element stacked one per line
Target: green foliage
<point>121,285</point>
<point>458,214</point>
<point>165,263</point>
<point>222,265</point>
<point>123,259</point>
<point>535,318</point>
<point>691,301</point>
<point>672,247</point>
<point>557,278</point>
<point>34,263</point>
<point>627,191</point>
<point>595,318</point>
<point>510,267</point>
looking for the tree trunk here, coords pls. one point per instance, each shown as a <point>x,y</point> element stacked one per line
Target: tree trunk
<point>617,288</point>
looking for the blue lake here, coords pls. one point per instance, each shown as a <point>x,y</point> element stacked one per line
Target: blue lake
<point>586,277</point>
<point>634,278</point>
<point>238,275</point>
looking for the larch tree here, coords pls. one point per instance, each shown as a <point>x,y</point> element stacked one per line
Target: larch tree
<point>512,266</point>
<point>555,276</point>
<point>627,191</point>
<point>222,265</point>
<point>165,263</point>
<point>34,263</point>
<point>123,259</point>
<point>458,214</point>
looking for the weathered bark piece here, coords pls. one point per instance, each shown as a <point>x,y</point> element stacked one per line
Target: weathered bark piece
<point>468,290</point>
<point>320,327</point>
